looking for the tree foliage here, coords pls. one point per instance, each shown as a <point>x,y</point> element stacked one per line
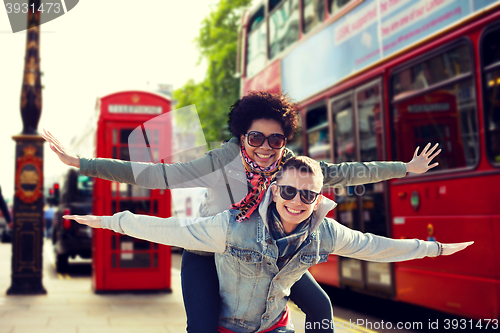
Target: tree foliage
<point>217,43</point>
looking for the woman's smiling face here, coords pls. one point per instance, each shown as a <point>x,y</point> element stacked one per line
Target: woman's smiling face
<point>264,155</point>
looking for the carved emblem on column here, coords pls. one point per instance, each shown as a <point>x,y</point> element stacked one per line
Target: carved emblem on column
<point>29,176</point>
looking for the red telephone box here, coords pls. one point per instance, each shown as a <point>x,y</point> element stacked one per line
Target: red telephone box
<point>120,262</point>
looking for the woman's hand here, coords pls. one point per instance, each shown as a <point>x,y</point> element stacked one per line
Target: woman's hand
<point>64,155</point>
<point>455,247</point>
<point>90,220</point>
<point>420,163</point>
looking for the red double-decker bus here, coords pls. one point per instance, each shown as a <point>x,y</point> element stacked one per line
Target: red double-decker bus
<point>375,79</point>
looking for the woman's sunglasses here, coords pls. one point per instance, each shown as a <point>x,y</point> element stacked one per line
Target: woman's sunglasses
<point>256,139</point>
<point>289,192</point>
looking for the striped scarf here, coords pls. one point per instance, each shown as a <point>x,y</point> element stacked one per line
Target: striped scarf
<point>287,244</point>
<point>259,178</point>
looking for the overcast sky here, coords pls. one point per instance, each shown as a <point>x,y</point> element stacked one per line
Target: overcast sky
<point>97,48</point>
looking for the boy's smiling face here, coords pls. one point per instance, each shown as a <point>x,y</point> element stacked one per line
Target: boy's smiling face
<point>294,211</point>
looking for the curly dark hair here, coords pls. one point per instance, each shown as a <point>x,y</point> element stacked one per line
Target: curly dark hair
<point>263,105</point>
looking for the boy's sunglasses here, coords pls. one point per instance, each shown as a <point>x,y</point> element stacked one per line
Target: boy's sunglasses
<point>289,192</point>
<point>256,139</point>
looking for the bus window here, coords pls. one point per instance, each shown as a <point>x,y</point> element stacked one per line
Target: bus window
<point>442,67</point>
<point>256,44</point>
<point>343,134</point>
<point>283,25</point>
<point>348,209</point>
<point>491,62</point>
<point>318,141</point>
<point>370,123</point>
<point>314,12</point>
<point>336,5</point>
<point>434,101</point>
<point>296,144</point>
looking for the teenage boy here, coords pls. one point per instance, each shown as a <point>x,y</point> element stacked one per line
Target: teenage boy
<point>260,259</point>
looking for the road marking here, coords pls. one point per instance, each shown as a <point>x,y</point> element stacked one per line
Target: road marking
<point>63,277</point>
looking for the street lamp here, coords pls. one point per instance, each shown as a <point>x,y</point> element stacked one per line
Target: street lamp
<point>27,235</point>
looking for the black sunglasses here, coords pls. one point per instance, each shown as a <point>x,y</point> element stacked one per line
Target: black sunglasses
<point>289,192</point>
<point>257,139</point>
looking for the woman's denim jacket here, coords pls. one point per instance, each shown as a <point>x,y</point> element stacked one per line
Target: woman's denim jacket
<point>253,291</point>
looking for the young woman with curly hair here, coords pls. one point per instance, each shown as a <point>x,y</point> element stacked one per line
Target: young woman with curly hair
<point>261,124</point>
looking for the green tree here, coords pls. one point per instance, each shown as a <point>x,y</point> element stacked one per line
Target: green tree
<point>217,43</point>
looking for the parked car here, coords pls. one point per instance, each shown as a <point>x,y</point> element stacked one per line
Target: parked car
<point>70,238</point>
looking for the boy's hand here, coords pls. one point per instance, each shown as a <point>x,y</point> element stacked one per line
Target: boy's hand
<point>90,220</point>
<point>64,155</point>
<point>455,247</point>
<point>420,163</point>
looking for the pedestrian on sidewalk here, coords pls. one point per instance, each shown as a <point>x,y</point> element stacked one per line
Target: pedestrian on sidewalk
<point>48,215</point>
<point>6,214</point>
<point>261,124</point>
<point>258,262</point>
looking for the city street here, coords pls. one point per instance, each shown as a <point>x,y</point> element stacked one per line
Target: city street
<point>71,306</point>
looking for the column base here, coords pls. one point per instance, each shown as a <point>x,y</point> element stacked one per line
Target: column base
<point>26,286</point>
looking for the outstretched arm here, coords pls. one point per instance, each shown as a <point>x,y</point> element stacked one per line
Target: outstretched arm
<point>202,172</point>
<point>358,173</point>
<point>64,154</point>
<point>366,246</point>
<point>420,163</point>
<point>204,234</point>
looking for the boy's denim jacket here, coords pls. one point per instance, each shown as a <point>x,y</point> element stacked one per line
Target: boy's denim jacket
<point>253,291</point>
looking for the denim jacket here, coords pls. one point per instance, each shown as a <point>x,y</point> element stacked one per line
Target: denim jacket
<point>253,291</point>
